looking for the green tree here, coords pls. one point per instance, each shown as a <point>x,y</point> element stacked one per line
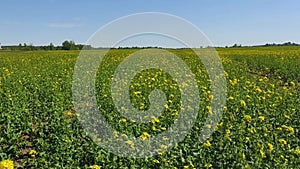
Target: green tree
<point>68,45</point>
<point>51,46</point>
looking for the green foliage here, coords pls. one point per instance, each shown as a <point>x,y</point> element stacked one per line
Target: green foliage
<point>68,45</point>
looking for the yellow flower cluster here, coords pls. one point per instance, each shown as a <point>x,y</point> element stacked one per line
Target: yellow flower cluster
<point>233,82</point>
<point>258,90</point>
<point>69,114</point>
<point>130,143</point>
<point>271,147</point>
<point>154,120</point>
<point>262,153</point>
<point>227,136</point>
<point>247,139</point>
<point>191,166</point>
<point>6,164</point>
<point>248,118</point>
<point>261,118</point>
<point>95,167</point>
<point>288,128</point>
<point>243,103</point>
<point>296,151</point>
<point>144,136</point>
<point>207,143</point>
<point>208,165</point>
<point>282,142</point>
<point>156,161</point>
<point>33,153</point>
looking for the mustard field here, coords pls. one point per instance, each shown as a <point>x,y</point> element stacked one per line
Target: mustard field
<point>259,127</point>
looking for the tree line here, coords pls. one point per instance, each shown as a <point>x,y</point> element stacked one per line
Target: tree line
<point>71,45</point>
<point>66,45</point>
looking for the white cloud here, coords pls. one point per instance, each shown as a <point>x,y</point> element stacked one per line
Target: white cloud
<point>63,25</point>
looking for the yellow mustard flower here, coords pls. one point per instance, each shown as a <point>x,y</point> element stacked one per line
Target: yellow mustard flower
<point>95,167</point>
<point>282,142</point>
<point>261,118</point>
<point>137,92</point>
<point>130,143</point>
<point>208,165</point>
<point>288,128</point>
<point>296,151</point>
<point>160,152</point>
<point>287,116</point>
<point>243,103</point>
<point>207,143</point>
<point>32,153</point>
<point>247,139</point>
<point>7,164</point>
<point>247,166</point>
<point>227,136</point>
<point>251,130</point>
<point>210,97</point>
<point>156,161</point>
<point>292,83</point>
<point>248,118</point>
<point>69,114</point>
<point>209,109</point>
<point>271,147</point>
<point>144,136</point>
<point>227,132</point>
<point>154,119</point>
<point>262,153</point>
<point>265,129</point>
<point>220,125</point>
<point>258,90</point>
<point>165,138</point>
<point>163,146</point>
<point>243,156</point>
<point>124,135</point>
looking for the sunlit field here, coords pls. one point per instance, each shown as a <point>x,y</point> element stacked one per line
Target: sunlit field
<point>260,126</point>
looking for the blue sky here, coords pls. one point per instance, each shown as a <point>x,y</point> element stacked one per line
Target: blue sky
<point>245,22</point>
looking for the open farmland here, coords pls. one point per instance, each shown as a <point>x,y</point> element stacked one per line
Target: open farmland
<point>260,126</point>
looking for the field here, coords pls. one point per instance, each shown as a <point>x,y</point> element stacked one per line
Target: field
<point>260,126</point>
